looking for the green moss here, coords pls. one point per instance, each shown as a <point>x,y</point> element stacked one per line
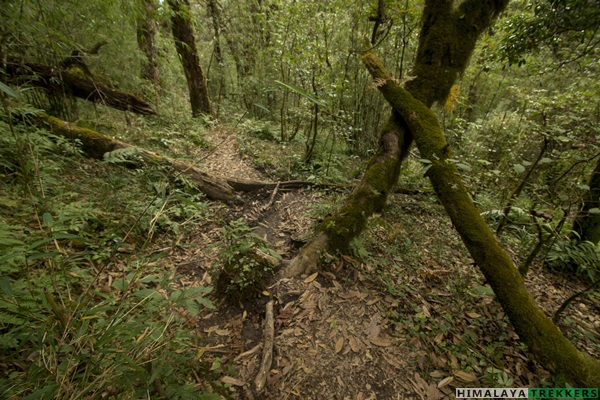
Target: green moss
<point>94,144</point>
<point>369,196</point>
<point>533,326</point>
<point>446,41</point>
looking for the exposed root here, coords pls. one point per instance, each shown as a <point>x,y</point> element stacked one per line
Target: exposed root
<point>267,356</point>
<point>306,261</point>
<point>270,203</point>
<point>248,352</point>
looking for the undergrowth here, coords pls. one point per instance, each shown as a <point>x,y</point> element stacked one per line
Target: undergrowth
<point>86,310</point>
<point>244,262</point>
<point>439,300</point>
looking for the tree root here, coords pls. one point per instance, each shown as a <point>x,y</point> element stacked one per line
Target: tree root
<point>267,355</point>
<point>248,352</point>
<point>307,259</point>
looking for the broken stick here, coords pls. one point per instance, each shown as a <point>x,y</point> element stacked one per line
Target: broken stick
<point>267,356</point>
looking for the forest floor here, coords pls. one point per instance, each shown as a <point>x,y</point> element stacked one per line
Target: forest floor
<point>407,316</point>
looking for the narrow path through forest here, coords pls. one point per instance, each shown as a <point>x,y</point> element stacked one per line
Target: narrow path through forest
<point>345,333</point>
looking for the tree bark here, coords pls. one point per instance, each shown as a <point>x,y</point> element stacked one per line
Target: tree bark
<point>535,329</point>
<point>79,85</point>
<point>185,43</point>
<point>587,224</point>
<point>146,32</point>
<point>447,39</point>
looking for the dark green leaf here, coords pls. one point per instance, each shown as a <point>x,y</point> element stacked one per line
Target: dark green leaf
<point>6,89</point>
<point>48,220</point>
<point>6,287</point>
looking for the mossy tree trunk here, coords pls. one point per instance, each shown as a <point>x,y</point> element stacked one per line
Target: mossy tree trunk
<point>185,43</point>
<point>446,41</point>
<point>587,222</point>
<point>535,329</point>
<point>146,33</point>
<point>81,86</point>
<point>96,144</point>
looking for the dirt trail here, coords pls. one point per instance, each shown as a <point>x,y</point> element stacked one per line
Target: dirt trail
<point>332,340</point>
<point>226,160</point>
<point>338,335</point>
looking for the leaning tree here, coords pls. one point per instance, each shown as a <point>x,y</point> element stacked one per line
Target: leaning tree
<point>447,39</point>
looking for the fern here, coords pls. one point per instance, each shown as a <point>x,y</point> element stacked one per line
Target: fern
<point>579,257</point>
<point>129,156</point>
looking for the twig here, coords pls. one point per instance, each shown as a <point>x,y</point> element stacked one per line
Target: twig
<point>517,192</point>
<point>248,352</point>
<point>270,203</point>
<point>267,356</point>
<point>160,389</point>
<point>570,299</point>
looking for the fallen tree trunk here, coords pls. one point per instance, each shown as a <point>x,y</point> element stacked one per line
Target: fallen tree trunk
<point>249,185</point>
<point>96,144</point>
<point>78,85</point>
<point>535,329</point>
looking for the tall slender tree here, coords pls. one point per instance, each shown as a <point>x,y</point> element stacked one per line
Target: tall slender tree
<point>214,10</point>
<point>146,32</point>
<point>185,42</point>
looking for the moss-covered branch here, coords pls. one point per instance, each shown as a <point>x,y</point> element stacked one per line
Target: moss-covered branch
<point>538,331</point>
<point>446,41</point>
<point>81,86</point>
<point>96,144</point>
<point>338,229</point>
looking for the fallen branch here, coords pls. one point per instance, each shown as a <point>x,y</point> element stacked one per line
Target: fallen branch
<point>270,203</point>
<point>96,144</point>
<point>570,300</point>
<point>79,85</point>
<point>267,356</point>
